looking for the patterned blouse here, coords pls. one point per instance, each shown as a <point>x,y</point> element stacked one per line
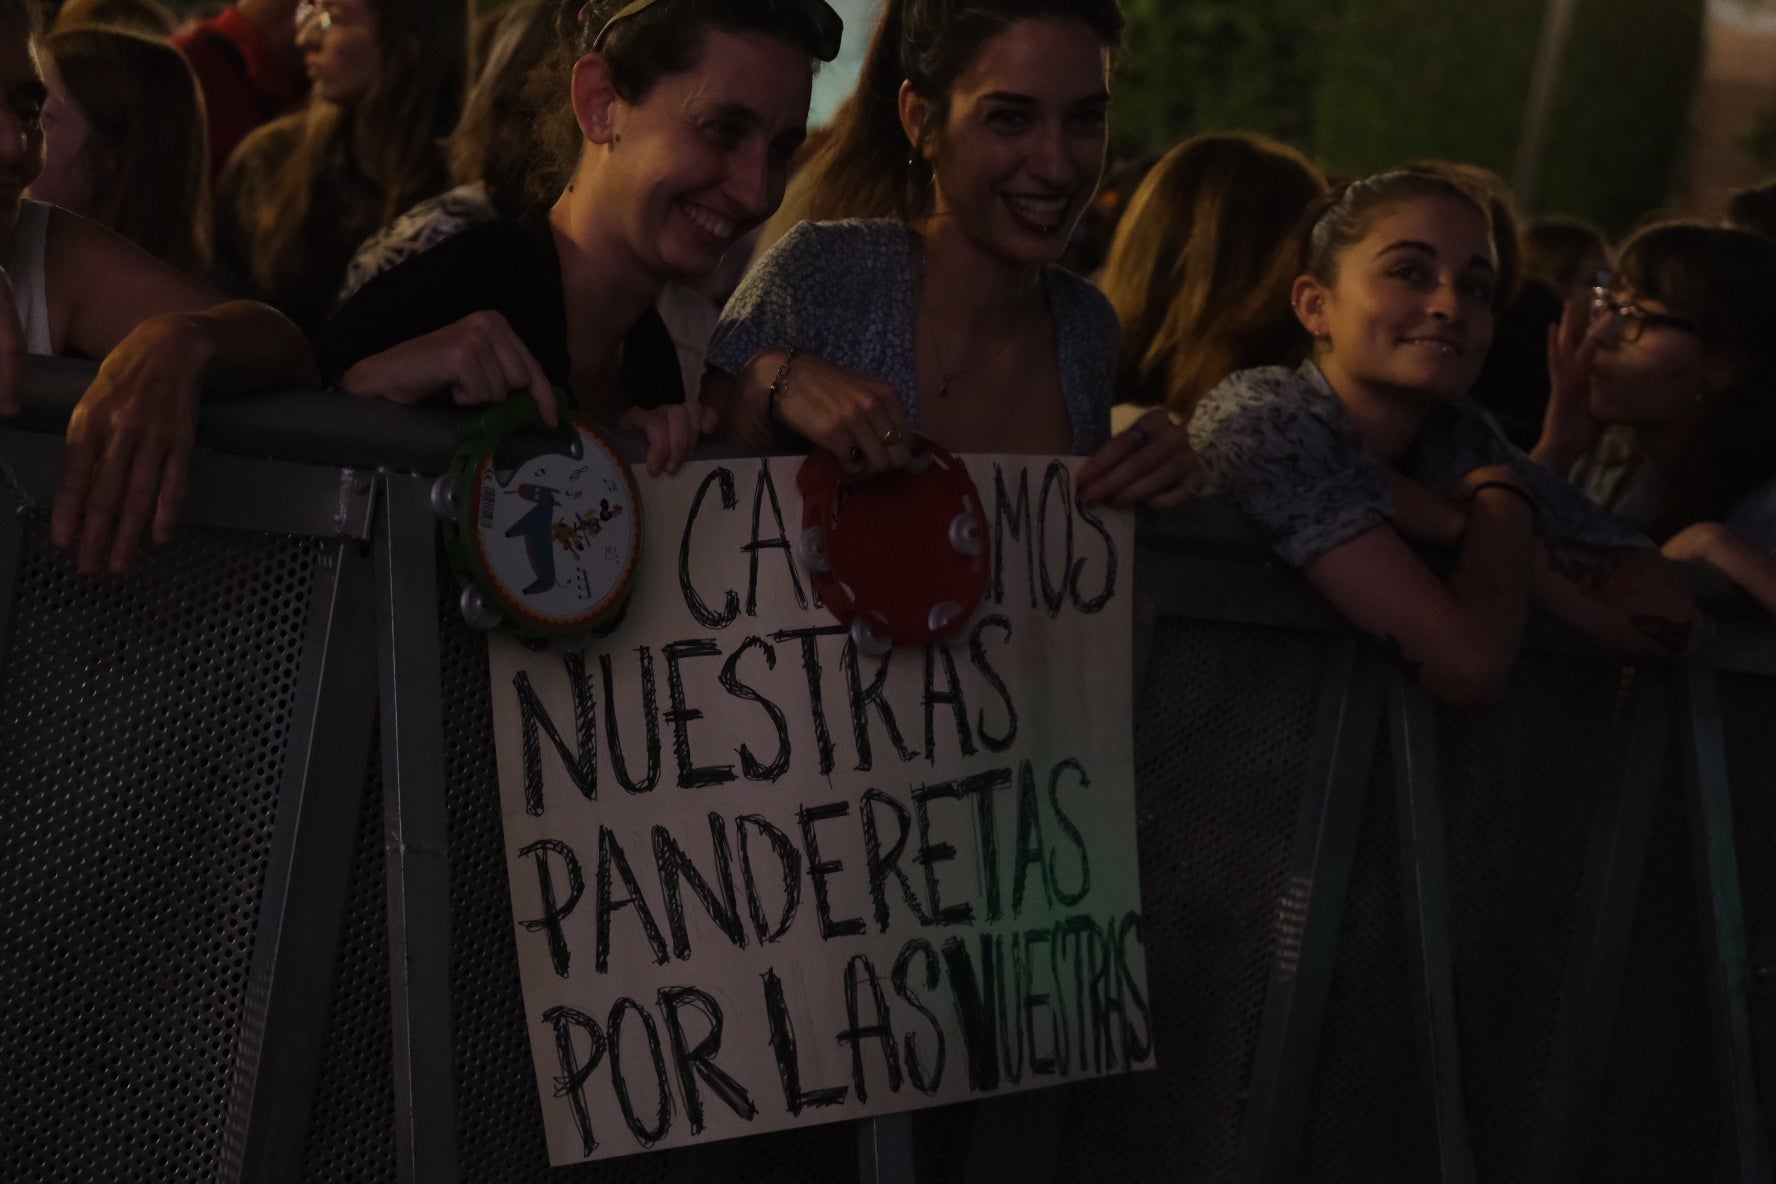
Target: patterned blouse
<point>846,291</point>
<point>1278,444</point>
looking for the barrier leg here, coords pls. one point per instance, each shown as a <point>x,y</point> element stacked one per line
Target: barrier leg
<point>1312,915</point>
<point>885,1150</point>
<point>1579,1057</point>
<point>1424,863</point>
<point>296,951</point>
<point>1743,1153</point>
<point>416,832</point>
<point>12,532</point>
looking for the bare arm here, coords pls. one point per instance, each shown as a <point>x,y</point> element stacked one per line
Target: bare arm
<point>1740,561</point>
<point>1569,430</point>
<point>164,339</point>
<point>1630,600</point>
<point>1458,636</point>
<point>830,406</point>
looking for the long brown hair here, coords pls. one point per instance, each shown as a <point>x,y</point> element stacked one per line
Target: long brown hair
<point>1720,278</point>
<point>396,135</point>
<point>867,169</point>
<point>152,148</point>
<point>1198,237</point>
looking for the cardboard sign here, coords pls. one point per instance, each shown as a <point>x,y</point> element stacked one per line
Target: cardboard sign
<point>762,880</point>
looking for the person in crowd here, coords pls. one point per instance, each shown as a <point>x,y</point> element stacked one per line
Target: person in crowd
<point>1571,256</point>
<point>150,18</point>
<point>1754,209</point>
<point>975,137</point>
<point>124,131</point>
<point>248,68</point>
<point>303,192</point>
<point>1199,237</point>
<point>1368,446</point>
<point>684,117</point>
<point>165,339</point>
<point>492,152</point>
<point>1664,407</point>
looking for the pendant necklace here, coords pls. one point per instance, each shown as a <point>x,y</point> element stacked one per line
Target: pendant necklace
<point>947,373</point>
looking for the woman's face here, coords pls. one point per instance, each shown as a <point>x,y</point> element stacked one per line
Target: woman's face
<point>1022,150</point>
<point>704,158</point>
<point>1411,308</point>
<point>68,178</point>
<point>21,119</point>
<point>340,50</point>
<point>1661,377</point>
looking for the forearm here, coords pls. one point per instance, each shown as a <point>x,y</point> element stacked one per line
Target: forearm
<point>743,401</point>
<point>242,346</point>
<point>1489,585</point>
<point>1555,454</point>
<point>1629,600</point>
<point>1746,565</point>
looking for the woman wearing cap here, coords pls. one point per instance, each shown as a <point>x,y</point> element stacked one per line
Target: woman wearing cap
<point>685,114</point>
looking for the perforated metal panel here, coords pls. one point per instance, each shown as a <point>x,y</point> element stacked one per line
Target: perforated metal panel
<point>1520,802</point>
<point>1371,1120</point>
<point>142,729</point>
<point>1660,1118</point>
<point>1222,747</point>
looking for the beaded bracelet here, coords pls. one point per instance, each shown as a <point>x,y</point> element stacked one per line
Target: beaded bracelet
<point>1512,488</point>
<point>777,384</point>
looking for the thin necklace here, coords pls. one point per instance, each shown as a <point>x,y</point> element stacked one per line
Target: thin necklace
<point>949,374</point>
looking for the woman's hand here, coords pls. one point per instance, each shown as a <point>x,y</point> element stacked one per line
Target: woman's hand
<point>1150,464</point>
<point>129,444</point>
<point>672,432</point>
<point>478,360</point>
<point>1568,428</point>
<point>856,417</point>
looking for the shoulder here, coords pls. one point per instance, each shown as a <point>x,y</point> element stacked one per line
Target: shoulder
<point>866,244</point>
<point>1275,393</point>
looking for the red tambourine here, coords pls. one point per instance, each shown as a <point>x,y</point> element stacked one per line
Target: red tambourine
<point>901,558</point>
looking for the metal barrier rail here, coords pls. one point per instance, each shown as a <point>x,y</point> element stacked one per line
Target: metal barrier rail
<point>243,942</point>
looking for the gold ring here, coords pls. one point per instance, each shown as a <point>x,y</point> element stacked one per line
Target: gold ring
<point>891,437</point>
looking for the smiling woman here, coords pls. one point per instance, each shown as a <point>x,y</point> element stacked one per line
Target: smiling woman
<point>975,138</point>
<point>1369,446</point>
<point>684,117</point>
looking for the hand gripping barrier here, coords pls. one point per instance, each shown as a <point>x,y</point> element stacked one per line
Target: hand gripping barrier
<point>256,924</point>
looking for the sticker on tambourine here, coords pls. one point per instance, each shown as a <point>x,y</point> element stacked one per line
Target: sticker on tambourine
<point>558,538</point>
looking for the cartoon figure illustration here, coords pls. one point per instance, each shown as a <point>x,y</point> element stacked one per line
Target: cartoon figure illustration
<point>537,529</point>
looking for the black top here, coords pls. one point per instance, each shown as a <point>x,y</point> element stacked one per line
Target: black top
<point>512,268</point>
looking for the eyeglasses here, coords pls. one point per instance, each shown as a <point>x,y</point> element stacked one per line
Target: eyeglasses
<point>1631,319</point>
<point>818,23</point>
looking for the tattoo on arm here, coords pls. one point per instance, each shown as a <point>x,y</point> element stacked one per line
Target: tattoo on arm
<point>1671,636</point>
<point>1586,566</point>
<point>1396,654</point>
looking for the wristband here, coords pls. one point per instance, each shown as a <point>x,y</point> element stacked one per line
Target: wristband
<point>779,382</point>
<point>1512,488</point>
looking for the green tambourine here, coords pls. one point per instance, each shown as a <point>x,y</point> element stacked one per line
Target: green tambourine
<point>546,545</point>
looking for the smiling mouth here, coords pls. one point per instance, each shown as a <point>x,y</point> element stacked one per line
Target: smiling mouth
<point>709,222</point>
<point>1038,215</point>
<point>1439,345</point>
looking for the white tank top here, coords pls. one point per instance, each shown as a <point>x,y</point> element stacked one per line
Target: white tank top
<point>24,267</point>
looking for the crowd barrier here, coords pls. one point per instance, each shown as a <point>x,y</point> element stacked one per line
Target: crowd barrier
<point>256,922</point>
